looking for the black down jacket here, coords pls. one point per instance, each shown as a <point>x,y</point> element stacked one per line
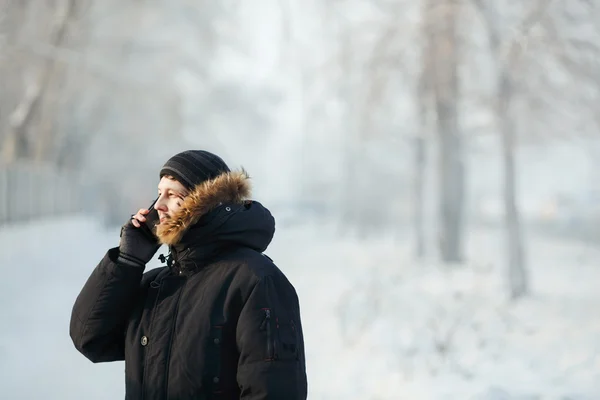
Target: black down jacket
<point>221,321</point>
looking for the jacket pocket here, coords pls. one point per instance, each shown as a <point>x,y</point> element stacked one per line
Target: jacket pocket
<point>267,327</point>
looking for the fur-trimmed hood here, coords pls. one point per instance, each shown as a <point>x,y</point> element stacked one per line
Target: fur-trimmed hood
<point>228,188</point>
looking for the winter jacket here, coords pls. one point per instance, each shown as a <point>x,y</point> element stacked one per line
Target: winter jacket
<point>220,321</point>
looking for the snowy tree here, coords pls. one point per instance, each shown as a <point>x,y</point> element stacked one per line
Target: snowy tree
<point>520,58</point>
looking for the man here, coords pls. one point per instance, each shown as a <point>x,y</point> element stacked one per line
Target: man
<point>220,321</point>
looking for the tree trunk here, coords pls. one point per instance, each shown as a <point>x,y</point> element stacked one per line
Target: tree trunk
<point>424,100</point>
<point>517,274</point>
<point>419,196</point>
<point>441,20</point>
<point>452,185</point>
<point>517,270</point>
<point>351,180</point>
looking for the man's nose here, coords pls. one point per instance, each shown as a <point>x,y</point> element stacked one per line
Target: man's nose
<point>160,205</point>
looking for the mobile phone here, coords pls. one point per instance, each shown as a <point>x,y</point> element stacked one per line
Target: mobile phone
<point>152,219</point>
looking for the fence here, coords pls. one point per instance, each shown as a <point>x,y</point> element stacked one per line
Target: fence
<point>30,191</point>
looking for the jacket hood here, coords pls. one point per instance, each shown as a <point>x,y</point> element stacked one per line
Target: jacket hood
<point>218,213</point>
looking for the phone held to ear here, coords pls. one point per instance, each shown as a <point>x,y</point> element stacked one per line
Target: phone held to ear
<point>152,219</point>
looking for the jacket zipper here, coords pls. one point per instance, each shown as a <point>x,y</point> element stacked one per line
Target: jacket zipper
<point>267,326</point>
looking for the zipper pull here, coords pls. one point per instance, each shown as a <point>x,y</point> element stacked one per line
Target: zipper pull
<point>266,320</point>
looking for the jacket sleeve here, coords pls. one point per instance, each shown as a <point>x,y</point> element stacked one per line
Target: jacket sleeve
<point>271,345</point>
<point>102,308</point>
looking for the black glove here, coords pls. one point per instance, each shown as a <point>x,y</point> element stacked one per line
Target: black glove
<point>137,246</point>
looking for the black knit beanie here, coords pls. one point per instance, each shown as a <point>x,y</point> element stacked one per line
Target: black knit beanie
<point>193,167</point>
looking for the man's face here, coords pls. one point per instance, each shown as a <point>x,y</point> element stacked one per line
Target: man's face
<point>170,196</point>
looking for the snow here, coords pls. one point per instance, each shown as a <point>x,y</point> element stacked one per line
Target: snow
<point>377,325</point>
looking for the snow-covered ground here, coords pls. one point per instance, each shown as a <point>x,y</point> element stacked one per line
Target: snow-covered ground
<point>377,325</point>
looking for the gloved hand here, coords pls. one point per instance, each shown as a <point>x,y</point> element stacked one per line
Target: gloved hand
<point>136,247</point>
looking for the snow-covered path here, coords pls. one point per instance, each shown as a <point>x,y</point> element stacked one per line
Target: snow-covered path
<point>377,326</point>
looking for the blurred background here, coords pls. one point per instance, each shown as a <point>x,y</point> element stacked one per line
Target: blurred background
<point>432,166</point>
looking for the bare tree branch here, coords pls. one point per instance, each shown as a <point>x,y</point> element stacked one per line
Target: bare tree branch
<point>22,115</point>
<point>94,66</point>
<point>376,68</point>
<point>507,53</point>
